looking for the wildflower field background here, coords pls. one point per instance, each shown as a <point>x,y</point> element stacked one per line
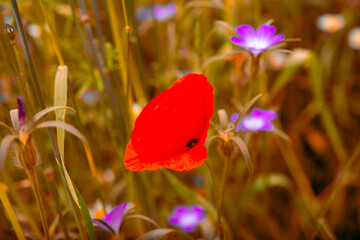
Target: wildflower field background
<point>282,144</point>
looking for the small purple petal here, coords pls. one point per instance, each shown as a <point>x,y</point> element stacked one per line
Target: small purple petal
<point>238,127</point>
<point>21,111</point>
<point>276,39</point>
<point>162,13</point>
<point>267,115</point>
<point>189,229</point>
<point>246,32</point>
<point>268,127</point>
<point>238,41</point>
<point>265,32</point>
<point>234,117</point>
<point>187,218</point>
<point>114,217</point>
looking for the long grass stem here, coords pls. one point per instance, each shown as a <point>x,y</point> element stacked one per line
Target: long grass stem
<point>36,189</point>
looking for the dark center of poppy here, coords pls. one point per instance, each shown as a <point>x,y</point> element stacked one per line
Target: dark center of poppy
<point>192,143</point>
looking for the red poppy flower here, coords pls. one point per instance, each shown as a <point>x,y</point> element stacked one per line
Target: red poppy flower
<point>171,130</point>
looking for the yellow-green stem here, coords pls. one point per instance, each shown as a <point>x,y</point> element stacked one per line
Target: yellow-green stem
<point>10,211</point>
<point>221,195</point>
<point>35,186</point>
<point>52,34</point>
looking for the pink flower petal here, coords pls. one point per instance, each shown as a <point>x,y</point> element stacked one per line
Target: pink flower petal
<point>246,32</point>
<point>276,39</point>
<point>265,32</point>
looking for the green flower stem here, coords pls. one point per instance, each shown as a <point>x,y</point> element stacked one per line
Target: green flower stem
<point>35,186</point>
<point>221,195</point>
<point>255,67</point>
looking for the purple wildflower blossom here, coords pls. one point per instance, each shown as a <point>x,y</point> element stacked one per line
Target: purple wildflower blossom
<point>257,41</point>
<point>257,120</point>
<point>113,218</point>
<point>159,12</point>
<point>21,111</point>
<point>187,218</point>
<point>162,13</point>
<point>234,117</point>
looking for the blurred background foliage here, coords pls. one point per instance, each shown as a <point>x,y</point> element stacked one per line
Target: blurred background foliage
<point>303,188</point>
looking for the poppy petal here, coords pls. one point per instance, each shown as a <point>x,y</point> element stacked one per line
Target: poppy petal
<point>172,128</point>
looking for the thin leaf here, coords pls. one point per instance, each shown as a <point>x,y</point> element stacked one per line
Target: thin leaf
<point>65,126</point>
<point>188,194</point>
<point>219,57</point>
<point>225,25</point>
<point>68,182</point>
<point>5,144</point>
<point>60,99</point>
<point>281,134</point>
<point>246,108</point>
<point>245,152</point>
<point>11,213</point>
<point>292,40</point>
<point>143,218</point>
<point>40,114</point>
<point>82,206</point>
<point>6,126</point>
<point>86,215</point>
<point>210,139</point>
<point>266,181</point>
<point>78,134</point>
<point>159,233</point>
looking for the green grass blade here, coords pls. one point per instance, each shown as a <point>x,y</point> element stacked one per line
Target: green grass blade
<point>188,194</point>
<point>10,212</point>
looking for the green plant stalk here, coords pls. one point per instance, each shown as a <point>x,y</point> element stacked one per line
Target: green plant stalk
<point>122,59</point>
<point>10,211</point>
<point>41,103</point>
<point>255,67</point>
<point>98,29</point>
<point>335,190</point>
<point>301,181</point>
<point>20,204</point>
<point>36,189</point>
<point>105,79</point>
<point>52,34</point>
<point>55,196</point>
<point>221,196</point>
<point>118,151</point>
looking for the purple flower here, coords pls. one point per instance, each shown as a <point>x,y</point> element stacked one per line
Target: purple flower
<point>21,111</point>
<point>257,120</point>
<point>259,41</point>
<point>187,218</point>
<point>159,12</point>
<point>162,13</point>
<point>113,219</point>
<point>234,117</point>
